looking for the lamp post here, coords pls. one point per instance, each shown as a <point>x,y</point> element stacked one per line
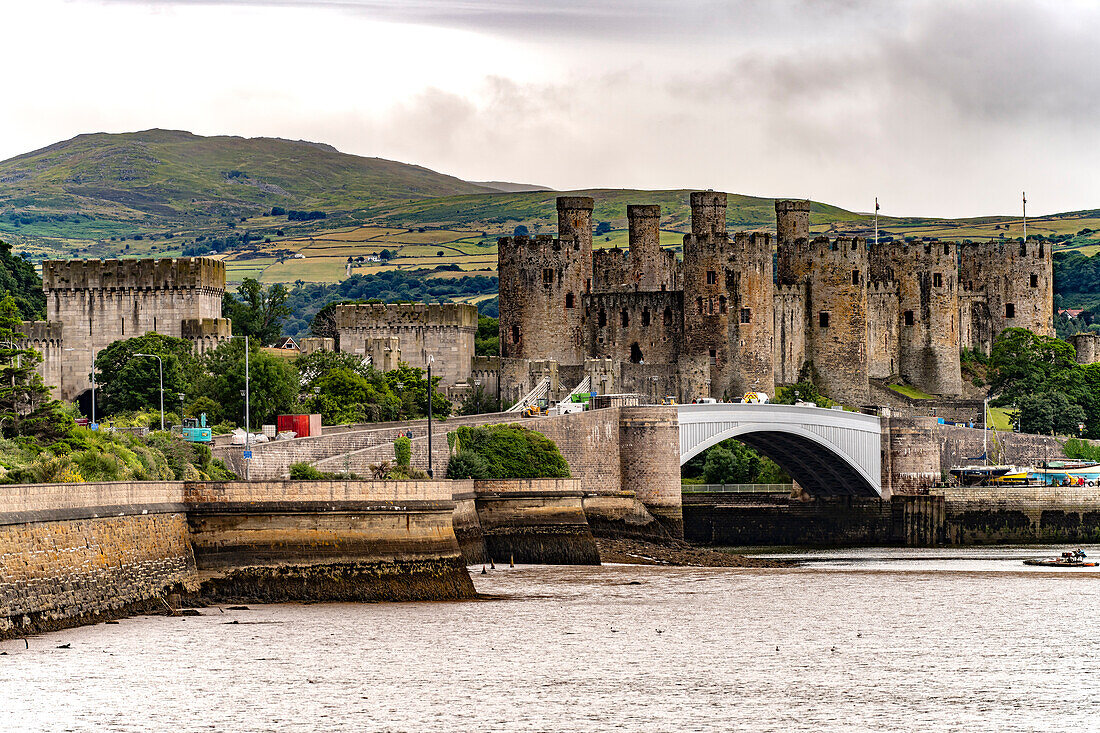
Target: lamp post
<point>431,473</point>
<point>654,378</point>
<point>160,369</point>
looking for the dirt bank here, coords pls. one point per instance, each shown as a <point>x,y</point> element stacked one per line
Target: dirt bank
<point>637,552</point>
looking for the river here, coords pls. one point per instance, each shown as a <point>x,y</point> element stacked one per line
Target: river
<point>905,640</point>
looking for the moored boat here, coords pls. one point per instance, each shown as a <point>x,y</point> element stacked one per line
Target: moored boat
<point>1075,559</point>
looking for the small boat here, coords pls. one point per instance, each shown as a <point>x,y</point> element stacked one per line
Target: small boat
<point>980,475</point>
<point>1075,559</point>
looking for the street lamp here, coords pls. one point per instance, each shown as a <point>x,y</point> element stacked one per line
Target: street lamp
<point>431,473</point>
<point>160,369</point>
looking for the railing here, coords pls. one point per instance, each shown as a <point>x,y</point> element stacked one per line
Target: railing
<point>533,396</point>
<point>735,488</point>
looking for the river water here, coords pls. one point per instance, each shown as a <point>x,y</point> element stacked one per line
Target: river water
<point>906,640</point>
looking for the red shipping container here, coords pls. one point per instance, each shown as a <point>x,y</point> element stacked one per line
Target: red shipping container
<point>298,423</point>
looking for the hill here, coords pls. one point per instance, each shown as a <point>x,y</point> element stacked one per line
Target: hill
<point>113,184</point>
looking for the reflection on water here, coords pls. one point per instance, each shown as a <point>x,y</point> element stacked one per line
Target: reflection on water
<point>930,640</point>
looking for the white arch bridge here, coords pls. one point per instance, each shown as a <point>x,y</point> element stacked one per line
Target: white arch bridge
<point>828,452</point>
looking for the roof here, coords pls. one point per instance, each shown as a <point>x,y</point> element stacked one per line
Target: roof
<point>286,342</point>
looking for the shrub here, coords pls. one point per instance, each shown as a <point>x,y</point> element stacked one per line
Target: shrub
<point>468,464</point>
<point>402,452</point>
<point>305,472</point>
<point>512,451</point>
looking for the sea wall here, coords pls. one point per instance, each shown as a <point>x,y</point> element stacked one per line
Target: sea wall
<point>326,540</point>
<point>981,515</point>
<point>77,553</point>
<point>535,521</point>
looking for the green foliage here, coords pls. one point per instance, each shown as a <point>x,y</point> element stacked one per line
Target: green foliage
<point>26,408</point>
<point>1049,413</point>
<point>257,312</point>
<point>86,455</point>
<point>273,383</point>
<point>343,388</point>
<point>512,451</point>
<point>479,402</point>
<point>19,279</point>
<point>127,382</point>
<point>805,391</point>
<point>732,462</point>
<point>1023,363</point>
<point>487,339</point>
<point>467,464</point>
<point>402,452</point>
<point>1082,450</point>
<point>305,472</point>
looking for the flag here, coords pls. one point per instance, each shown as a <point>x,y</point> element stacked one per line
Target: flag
<point>1025,196</point>
<point>876,203</point>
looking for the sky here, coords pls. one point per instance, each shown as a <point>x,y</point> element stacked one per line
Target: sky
<point>939,108</point>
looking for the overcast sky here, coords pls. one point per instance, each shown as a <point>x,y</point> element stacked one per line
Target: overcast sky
<point>939,108</point>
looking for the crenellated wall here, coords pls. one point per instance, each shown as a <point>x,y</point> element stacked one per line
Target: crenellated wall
<point>443,330</point>
<point>98,302</point>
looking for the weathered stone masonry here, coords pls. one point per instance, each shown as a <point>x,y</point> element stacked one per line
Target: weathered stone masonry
<point>724,321</point>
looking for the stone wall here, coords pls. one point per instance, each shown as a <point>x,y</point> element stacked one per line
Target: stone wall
<point>327,540</point>
<point>635,327</point>
<point>1021,514</point>
<point>74,553</point>
<point>535,521</point>
<point>445,331</point>
<point>100,302</point>
<point>649,456</point>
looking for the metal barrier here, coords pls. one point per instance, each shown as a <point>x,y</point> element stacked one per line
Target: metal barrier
<point>735,488</point>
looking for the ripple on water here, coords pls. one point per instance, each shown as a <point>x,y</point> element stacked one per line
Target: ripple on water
<point>909,646</point>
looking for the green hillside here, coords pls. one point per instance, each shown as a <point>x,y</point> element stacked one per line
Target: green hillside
<point>100,185</point>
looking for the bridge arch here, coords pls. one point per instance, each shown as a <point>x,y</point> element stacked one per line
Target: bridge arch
<point>828,452</point>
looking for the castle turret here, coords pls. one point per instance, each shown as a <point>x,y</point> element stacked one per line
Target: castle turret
<point>926,277</point>
<point>705,362</point>
<point>542,282</point>
<point>728,302</point>
<point>792,230</point>
<point>1018,283</point>
<point>838,317</point>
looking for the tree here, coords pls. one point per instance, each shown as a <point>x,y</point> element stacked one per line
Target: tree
<point>1050,413</point>
<point>603,228</point>
<point>414,392</point>
<point>1023,363</point>
<point>273,383</point>
<point>26,407</point>
<point>487,339</point>
<point>479,402</point>
<point>521,231</point>
<point>257,312</point>
<point>127,382</point>
<point>19,278</point>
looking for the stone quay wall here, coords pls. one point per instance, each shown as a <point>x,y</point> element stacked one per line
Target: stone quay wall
<point>76,553</point>
<point>535,521</point>
<point>979,515</point>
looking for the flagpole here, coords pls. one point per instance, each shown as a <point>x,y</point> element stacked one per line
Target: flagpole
<point>876,221</point>
<point>1025,217</point>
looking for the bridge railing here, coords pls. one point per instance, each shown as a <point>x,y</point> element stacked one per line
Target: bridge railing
<point>735,488</point>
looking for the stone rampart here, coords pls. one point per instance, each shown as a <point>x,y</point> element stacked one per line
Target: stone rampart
<point>75,553</point>
<point>1021,514</point>
<point>535,521</point>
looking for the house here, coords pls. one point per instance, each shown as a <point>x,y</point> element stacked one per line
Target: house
<point>1070,312</point>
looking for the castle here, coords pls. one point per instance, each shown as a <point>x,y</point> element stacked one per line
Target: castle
<point>93,303</point>
<point>731,317</point>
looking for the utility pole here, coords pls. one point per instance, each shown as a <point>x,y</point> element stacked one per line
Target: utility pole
<point>247,423</point>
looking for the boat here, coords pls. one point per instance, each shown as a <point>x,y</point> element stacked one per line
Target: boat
<point>984,475</point>
<point>1075,559</point>
<point>1068,473</point>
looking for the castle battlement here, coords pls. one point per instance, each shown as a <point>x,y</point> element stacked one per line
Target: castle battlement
<point>203,328</point>
<point>41,331</point>
<point>842,248</point>
<point>885,287</point>
<point>389,315</point>
<point>791,291</point>
<point>144,274</point>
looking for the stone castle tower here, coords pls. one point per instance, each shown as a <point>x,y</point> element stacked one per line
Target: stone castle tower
<point>93,303</point>
<point>542,281</point>
<point>724,321</point>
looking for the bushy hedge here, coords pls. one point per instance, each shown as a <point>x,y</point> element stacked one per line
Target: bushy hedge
<point>508,451</point>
